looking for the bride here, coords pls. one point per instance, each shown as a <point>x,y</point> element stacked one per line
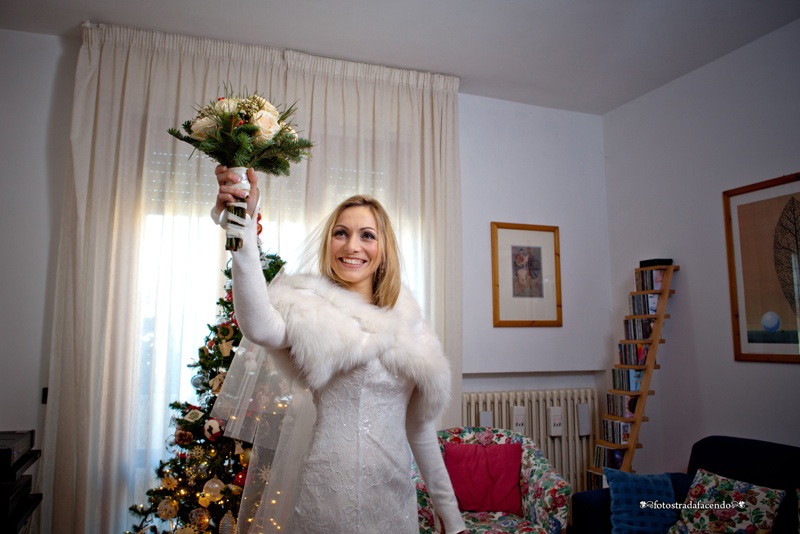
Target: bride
<point>353,337</point>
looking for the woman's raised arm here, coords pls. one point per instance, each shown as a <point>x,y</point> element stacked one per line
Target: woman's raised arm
<point>257,318</point>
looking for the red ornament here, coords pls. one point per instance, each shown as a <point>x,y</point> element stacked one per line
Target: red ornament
<point>213,428</point>
<point>229,296</point>
<point>210,344</point>
<point>240,478</point>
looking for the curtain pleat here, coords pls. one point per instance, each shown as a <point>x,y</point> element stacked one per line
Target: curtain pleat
<point>140,260</point>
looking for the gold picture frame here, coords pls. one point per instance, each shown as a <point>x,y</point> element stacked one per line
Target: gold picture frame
<point>762,235</point>
<point>526,275</point>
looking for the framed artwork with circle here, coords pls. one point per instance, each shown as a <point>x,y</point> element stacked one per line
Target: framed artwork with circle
<point>762,233</point>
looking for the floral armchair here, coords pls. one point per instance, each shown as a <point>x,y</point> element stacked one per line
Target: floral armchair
<point>545,494</point>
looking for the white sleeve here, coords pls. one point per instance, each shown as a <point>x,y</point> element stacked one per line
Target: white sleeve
<point>259,321</point>
<point>425,447</point>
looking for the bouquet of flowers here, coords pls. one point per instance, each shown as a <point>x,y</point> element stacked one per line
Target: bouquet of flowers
<point>244,132</point>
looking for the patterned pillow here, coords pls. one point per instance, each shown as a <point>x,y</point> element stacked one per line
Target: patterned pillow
<point>719,504</point>
<point>633,498</point>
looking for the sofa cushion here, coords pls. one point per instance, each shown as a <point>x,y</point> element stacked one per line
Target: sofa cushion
<point>485,477</point>
<point>629,491</point>
<point>764,463</point>
<point>745,506</point>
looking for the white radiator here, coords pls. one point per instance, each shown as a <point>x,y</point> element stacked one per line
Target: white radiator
<point>569,453</point>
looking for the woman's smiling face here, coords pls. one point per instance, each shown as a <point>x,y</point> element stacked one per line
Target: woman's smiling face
<point>355,249</point>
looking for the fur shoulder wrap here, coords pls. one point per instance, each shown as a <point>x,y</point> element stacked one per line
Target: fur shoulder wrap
<point>331,329</point>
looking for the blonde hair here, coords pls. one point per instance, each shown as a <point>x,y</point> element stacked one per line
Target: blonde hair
<point>386,282</point>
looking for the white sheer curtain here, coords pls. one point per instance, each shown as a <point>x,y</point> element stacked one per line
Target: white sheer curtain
<point>140,260</point>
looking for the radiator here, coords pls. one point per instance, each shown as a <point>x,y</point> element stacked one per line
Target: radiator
<point>569,453</point>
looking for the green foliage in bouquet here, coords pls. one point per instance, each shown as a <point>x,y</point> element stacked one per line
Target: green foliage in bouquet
<point>201,484</point>
<point>246,131</point>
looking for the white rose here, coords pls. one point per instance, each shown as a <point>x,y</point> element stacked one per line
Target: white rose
<point>268,125</point>
<point>227,105</point>
<point>202,127</point>
<point>272,110</point>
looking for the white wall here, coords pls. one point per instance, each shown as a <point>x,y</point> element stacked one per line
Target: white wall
<point>532,165</point>
<point>669,157</point>
<point>36,88</point>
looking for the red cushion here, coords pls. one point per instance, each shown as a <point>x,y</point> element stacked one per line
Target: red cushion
<point>485,477</point>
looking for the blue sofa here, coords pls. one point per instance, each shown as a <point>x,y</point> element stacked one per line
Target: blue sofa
<point>773,465</point>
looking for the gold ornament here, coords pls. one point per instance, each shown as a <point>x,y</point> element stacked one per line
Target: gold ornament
<point>200,518</point>
<point>228,524</point>
<point>168,509</point>
<point>203,501</point>
<point>244,458</point>
<point>169,483</point>
<point>213,489</point>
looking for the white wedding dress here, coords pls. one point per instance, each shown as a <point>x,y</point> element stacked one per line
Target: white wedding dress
<point>357,478</point>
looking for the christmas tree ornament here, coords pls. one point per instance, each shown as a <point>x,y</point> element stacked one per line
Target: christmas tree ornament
<point>228,524</point>
<point>213,429</point>
<point>213,489</point>
<point>240,478</point>
<point>193,416</point>
<point>197,381</point>
<point>169,483</point>
<point>186,530</point>
<point>203,501</point>
<point>234,489</point>
<point>183,437</point>
<point>225,331</point>
<point>200,518</point>
<point>226,347</point>
<point>167,509</point>
<point>244,458</point>
<point>216,382</point>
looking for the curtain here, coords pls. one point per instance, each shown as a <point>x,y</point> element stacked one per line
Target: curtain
<point>140,261</point>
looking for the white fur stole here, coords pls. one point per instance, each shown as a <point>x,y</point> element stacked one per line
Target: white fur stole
<point>332,329</point>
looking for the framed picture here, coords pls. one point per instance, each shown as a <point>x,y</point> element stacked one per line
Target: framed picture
<point>526,275</point>
<point>762,232</point>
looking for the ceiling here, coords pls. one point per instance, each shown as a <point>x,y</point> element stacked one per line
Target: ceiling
<point>582,55</point>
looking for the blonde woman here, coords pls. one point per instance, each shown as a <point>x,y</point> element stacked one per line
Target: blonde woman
<point>355,338</point>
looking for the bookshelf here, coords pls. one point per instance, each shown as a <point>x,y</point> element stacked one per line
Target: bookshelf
<point>631,376</point>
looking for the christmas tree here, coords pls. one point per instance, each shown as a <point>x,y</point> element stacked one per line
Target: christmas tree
<point>201,484</point>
